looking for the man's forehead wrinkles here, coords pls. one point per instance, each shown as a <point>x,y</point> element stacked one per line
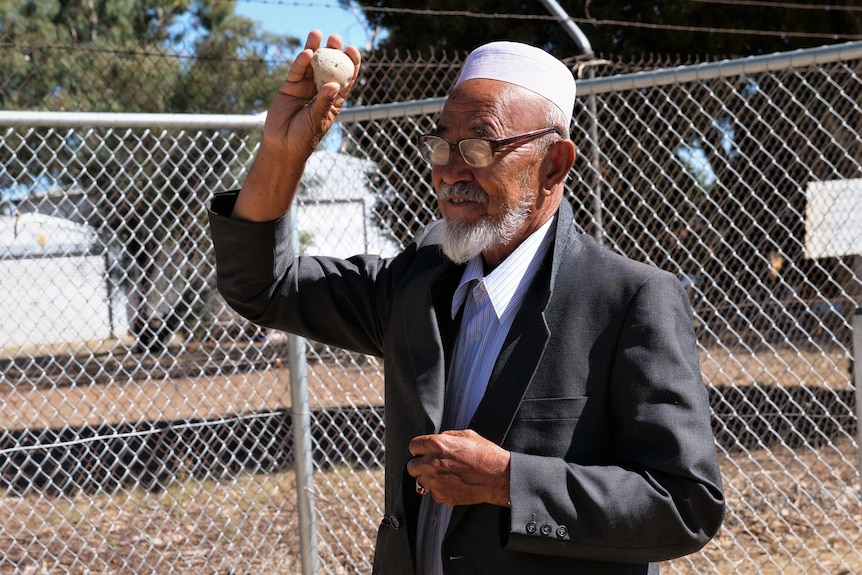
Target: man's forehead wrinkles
<point>473,126</point>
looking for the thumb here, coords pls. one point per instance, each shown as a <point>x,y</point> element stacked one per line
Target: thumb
<point>327,104</point>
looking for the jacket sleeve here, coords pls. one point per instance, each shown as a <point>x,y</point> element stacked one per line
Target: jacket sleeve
<point>655,493</point>
<point>334,301</point>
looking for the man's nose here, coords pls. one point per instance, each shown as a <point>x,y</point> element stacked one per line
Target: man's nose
<point>455,170</point>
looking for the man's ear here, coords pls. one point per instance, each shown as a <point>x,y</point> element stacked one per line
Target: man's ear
<point>558,162</point>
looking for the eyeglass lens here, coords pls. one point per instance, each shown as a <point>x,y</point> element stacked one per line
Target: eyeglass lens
<point>476,152</point>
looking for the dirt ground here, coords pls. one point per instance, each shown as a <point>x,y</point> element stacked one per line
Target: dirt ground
<point>791,510</point>
<point>198,383</point>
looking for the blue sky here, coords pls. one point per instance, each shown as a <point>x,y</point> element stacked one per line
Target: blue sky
<point>298,17</point>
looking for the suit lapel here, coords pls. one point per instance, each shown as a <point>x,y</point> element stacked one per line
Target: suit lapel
<point>442,293</point>
<point>430,343</point>
<point>516,363</point>
<point>525,343</point>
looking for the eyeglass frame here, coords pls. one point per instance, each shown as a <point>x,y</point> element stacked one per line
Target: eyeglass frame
<point>493,144</point>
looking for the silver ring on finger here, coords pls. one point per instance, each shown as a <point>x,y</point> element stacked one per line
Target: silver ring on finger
<point>419,489</point>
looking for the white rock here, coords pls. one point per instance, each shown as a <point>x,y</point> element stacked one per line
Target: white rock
<point>331,65</point>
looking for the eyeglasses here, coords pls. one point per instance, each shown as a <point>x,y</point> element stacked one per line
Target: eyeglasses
<point>477,152</point>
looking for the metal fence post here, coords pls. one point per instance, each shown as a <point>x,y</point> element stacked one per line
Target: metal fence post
<point>583,43</point>
<point>300,416</point>
<point>857,380</point>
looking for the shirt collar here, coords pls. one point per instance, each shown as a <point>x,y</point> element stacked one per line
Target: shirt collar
<point>503,282</point>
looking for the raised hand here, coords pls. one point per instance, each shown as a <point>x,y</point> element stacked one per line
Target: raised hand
<point>300,115</point>
<point>298,118</point>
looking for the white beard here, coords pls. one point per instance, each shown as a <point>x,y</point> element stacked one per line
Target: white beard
<point>463,241</point>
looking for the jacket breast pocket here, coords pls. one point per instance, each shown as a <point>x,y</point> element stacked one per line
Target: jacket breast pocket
<point>545,426</point>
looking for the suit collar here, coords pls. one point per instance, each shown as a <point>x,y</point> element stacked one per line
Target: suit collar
<point>565,238</point>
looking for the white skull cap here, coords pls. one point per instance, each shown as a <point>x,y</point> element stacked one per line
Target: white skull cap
<point>525,66</point>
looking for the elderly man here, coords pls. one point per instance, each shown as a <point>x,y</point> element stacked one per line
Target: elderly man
<point>544,406</point>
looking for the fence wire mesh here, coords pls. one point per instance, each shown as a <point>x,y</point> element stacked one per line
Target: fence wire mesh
<point>147,429</point>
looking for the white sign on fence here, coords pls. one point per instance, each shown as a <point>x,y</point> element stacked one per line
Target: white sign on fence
<point>833,218</point>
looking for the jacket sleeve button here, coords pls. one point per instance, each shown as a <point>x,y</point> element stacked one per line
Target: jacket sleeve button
<point>531,527</point>
<point>393,521</point>
<point>545,530</point>
<point>562,532</point>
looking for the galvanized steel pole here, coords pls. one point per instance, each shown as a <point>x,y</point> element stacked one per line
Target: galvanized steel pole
<point>300,417</point>
<point>592,130</point>
<point>569,25</point>
<point>857,379</point>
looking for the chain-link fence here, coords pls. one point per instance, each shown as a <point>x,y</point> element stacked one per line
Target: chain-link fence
<point>147,429</point>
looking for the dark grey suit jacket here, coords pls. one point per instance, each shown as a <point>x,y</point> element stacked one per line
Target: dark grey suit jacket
<point>597,393</point>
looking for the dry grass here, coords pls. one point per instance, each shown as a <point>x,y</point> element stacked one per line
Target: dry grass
<point>249,524</point>
<point>790,512</point>
<point>779,366</point>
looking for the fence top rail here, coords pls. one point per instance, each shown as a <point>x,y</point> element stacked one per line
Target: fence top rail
<point>620,83</point>
<point>36,119</point>
<point>723,69</point>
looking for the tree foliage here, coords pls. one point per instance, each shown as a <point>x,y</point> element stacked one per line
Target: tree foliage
<point>177,56</point>
<point>136,56</point>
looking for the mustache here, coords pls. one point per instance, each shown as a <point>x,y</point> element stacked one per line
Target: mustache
<point>469,191</point>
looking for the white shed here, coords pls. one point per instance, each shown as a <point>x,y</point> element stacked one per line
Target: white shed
<point>335,211</point>
<point>54,284</point>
